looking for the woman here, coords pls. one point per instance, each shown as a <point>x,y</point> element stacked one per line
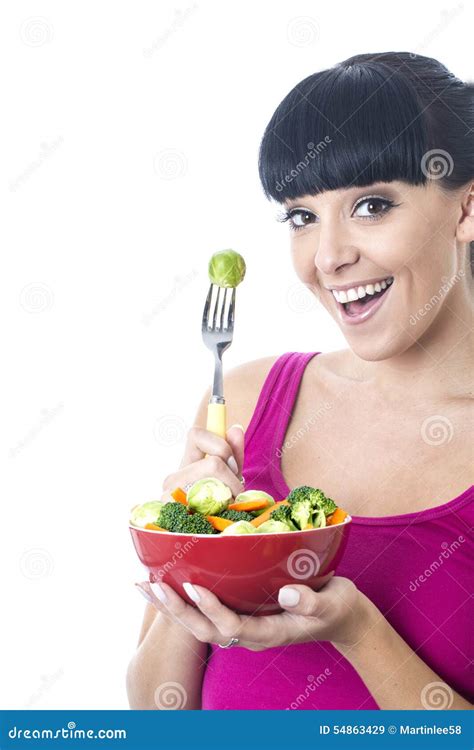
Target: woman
<point>373,164</point>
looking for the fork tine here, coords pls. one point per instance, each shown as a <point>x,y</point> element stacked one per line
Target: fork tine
<point>232,311</point>
<point>207,307</point>
<point>216,308</point>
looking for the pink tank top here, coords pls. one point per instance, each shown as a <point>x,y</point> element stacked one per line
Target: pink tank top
<point>416,568</point>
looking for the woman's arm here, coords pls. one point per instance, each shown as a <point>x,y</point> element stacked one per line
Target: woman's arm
<point>394,674</point>
<point>167,653</point>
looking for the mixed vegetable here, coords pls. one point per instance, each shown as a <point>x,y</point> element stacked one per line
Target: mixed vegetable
<point>209,508</point>
<point>226,268</point>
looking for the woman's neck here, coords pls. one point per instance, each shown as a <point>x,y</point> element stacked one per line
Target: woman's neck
<point>438,364</point>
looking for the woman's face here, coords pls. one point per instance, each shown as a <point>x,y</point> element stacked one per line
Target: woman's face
<point>380,259</point>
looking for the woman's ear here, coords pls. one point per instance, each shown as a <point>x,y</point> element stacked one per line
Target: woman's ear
<point>465,228</point>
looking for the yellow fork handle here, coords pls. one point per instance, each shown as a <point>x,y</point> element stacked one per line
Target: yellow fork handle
<point>216,419</point>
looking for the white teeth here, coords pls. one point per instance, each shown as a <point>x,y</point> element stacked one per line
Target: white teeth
<point>359,292</point>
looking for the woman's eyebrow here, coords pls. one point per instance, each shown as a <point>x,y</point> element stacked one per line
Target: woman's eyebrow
<point>346,192</point>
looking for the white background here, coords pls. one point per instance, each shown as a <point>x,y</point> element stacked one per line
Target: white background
<point>129,144</point>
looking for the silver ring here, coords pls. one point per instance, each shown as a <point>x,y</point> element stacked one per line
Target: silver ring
<point>242,479</point>
<point>232,642</point>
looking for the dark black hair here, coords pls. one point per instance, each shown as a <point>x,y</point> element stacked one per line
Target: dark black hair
<point>374,117</point>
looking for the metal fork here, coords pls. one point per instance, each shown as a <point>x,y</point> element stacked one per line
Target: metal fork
<point>217,333</point>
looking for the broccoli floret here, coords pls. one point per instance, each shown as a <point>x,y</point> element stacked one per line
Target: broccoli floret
<point>328,505</point>
<point>283,513</point>
<point>175,517</point>
<point>236,515</point>
<point>301,497</point>
<point>197,524</point>
<point>171,516</point>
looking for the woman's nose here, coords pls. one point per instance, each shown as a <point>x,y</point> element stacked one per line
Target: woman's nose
<point>334,250</point>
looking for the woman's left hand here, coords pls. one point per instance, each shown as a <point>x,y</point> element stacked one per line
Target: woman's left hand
<point>338,612</point>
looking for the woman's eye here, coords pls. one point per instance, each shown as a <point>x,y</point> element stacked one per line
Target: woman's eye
<point>372,208</point>
<point>301,218</point>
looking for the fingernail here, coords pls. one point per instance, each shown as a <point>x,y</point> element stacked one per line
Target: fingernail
<point>159,592</point>
<point>237,425</point>
<point>143,592</point>
<point>191,592</point>
<point>232,464</point>
<point>288,597</point>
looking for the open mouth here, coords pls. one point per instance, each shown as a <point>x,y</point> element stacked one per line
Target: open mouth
<point>359,303</point>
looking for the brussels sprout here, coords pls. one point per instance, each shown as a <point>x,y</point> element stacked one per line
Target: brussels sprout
<point>209,496</point>
<point>226,268</point>
<point>240,527</point>
<point>272,527</point>
<point>140,515</point>
<point>250,495</point>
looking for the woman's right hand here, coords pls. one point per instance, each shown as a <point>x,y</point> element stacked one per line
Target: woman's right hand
<point>224,459</point>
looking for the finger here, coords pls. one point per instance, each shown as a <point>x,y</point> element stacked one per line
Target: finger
<point>211,466</point>
<point>236,438</point>
<point>169,602</point>
<point>302,600</point>
<point>201,442</point>
<point>224,620</point>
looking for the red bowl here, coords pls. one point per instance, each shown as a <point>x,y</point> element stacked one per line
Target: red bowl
<point>245,572</point>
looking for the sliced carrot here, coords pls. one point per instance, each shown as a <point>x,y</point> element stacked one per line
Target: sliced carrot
<point>219,523</point>
<point>179,495</point>
<point>250,505</point>
<point>154,527</point>
<point>337,517</point>
<point>266,514</point>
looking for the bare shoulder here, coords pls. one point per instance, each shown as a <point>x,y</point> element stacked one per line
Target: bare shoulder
<point>242,385</point>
